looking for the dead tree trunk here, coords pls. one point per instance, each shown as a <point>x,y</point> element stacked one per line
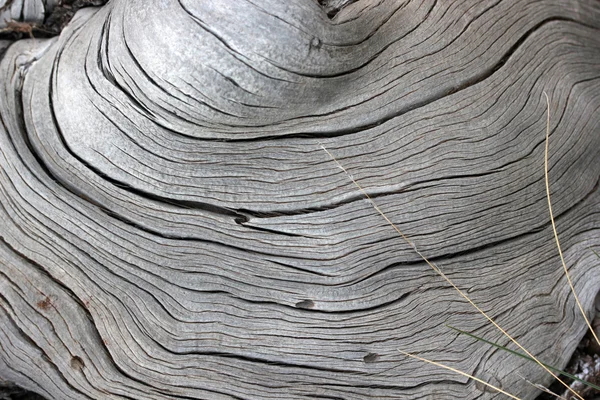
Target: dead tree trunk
<point>173,229</point>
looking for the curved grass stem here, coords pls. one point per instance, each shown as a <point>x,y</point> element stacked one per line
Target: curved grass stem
<point>437,364</point>
<point>562,259</point>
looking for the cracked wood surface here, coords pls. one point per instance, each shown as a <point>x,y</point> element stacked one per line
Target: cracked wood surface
<point>32,11</point>
<point>172,228</point>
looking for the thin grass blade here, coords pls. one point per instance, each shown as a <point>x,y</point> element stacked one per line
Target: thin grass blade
<point>516,353</point>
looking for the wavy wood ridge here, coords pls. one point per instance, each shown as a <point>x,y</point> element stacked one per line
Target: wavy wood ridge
<point>172,228</point>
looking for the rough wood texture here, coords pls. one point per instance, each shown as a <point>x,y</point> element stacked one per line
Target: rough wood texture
<point>173,229</point>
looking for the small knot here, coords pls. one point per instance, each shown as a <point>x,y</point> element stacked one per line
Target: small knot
<point>77,363</point>
<point>316,43</point>
<point>306,304</point>
<point>240,220</point>
<point>371,358</point>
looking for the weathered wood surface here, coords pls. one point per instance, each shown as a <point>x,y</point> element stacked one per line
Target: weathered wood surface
<point>171,227</point>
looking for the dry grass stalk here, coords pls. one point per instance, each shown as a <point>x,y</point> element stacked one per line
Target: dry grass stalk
<point>562,259</point>
<point>543,389</point>
<point>19,27</point>
<point>439,272</point>
<point>461,373</point>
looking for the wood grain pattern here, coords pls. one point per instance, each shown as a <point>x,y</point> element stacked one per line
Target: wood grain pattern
<point>172,228</point>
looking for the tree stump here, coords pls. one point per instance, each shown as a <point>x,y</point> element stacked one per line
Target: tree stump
<point>173,229</point>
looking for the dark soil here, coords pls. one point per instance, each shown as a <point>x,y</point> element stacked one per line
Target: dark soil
<point>585,364</point>
<point>9,392</point>
<point>332,7</point>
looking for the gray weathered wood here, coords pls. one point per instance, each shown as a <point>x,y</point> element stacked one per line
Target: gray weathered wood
<point>172,228</point>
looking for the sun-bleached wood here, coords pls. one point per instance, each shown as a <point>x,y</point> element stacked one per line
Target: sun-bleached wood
<point>172,228</point>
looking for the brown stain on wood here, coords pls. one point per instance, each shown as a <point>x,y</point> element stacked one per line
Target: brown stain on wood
<point>45,304</point>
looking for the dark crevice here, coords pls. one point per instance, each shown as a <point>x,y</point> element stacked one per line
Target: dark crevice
<point>522,235</point>
<point>323,396</point>
<point>281,364</point>
<point>239,57</point>
<point>185,204</point>
<point>333,7</point>
<point>302,270</point>
<point>64,11</point>
<point>255,360</point>
<point>241,218</point>
<point>3,50</point>
<point>305,304</point>
<point>239,215</point>
<point>372,58</point>
<point>359,196</point>
<point>240,221</point>
<point>312,307</point>
<point>396,387</point>
<point>21,125</point>
<point>441,93</point>
<point>106,72</point>
<point>10,391</point>
<point>159,87</point>
<point>483,247</point>
<point>33,344</point>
